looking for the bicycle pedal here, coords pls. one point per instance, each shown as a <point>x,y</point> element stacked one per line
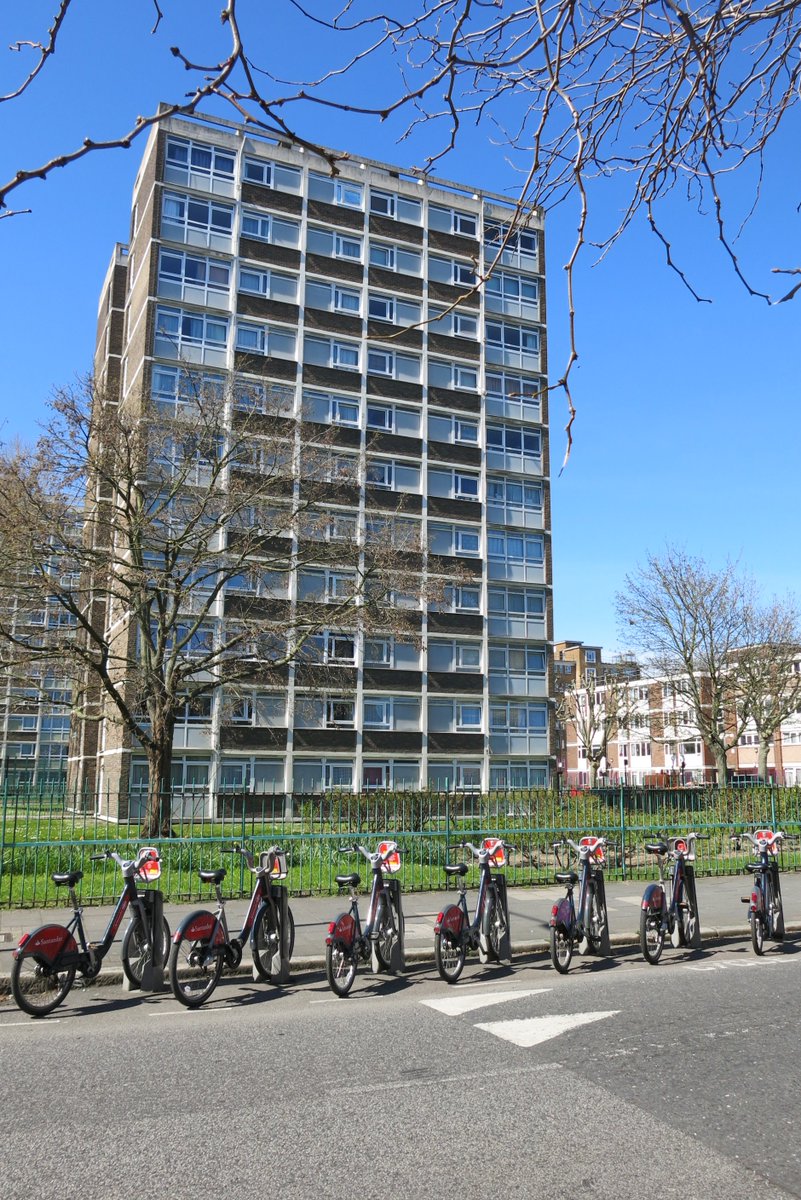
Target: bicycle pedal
<point>745,899</point>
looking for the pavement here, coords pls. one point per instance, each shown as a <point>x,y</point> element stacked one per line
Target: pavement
<point>723,917</point>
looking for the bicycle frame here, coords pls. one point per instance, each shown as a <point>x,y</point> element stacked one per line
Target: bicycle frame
<point>768,844</point>
<point>455,919</point>
<point>564,913</point>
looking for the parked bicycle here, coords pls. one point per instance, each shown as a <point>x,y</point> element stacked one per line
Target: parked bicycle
<point>670,913</point>
<point>202,945</point>
<point>585,923</point>
<point>381,938</point>
<point>488,933</point>
<point>765,913</point>
<point>47,960</point>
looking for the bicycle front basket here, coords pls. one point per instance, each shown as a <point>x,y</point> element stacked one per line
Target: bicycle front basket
<point>149,868</point>
<point>596,849</point>
<point>392,862</point>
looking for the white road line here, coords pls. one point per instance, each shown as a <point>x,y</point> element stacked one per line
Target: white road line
<point>534,1030</point>
<point>31,1024</point>
<point>186,1012</point>
<point>456,1006</point>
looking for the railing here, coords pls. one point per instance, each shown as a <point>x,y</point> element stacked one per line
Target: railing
<point>40,834</point>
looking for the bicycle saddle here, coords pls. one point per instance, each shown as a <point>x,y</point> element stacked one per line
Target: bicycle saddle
<point>755,868</point>
<point>352,880</point>
<point>566,877</point>
<point>656,847</point>
<point>212,876</point>
<point>67,878</point>
<point>455,868</point>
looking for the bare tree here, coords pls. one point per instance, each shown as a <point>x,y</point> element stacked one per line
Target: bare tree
<point>639,99</point>
<point>689,621</point>
<point>767,673</point>
<point>158,548</point>
<point>596,712</point>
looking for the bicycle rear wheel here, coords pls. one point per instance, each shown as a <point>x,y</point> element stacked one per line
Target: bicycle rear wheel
<point>561,948</point>
<point>449,955</point>
<point>194,969</point>
<point>340,968</point>
<point>267,938</point>
<point>758,932</point>
<point>37,986</point>
<point>652,935</point>
<point>137,952</point>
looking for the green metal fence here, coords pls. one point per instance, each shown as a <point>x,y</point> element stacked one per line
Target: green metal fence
<point>40,834</point>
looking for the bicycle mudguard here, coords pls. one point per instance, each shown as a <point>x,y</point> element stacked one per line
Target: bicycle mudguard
<point>342,930</point>
<point>561,916</point>
<point>199,926</point>
<point>689,886</point>
<point>450,921</point>
<point>653,898</point>
<point>47,942</point>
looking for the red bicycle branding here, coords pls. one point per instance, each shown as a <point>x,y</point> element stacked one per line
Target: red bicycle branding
<point>49,941</point>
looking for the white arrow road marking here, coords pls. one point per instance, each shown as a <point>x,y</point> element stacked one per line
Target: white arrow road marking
<point>532,1031</point>
<point>455,1006</point>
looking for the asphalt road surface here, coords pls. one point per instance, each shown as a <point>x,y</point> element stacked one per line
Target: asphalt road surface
<point>619,1081</point>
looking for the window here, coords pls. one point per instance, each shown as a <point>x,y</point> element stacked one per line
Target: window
<point>463,598</point>
<point>590,656</point>
<point>395,258</point>
<point>251,775</point>
<point>468,716</point>
<point>178,331</point>
<point>194,163</point>
<point>393,364</point>
<point>325,585</point>
<point>450,270</point>
<point>515,499</point>
<point>333,298</point>
<point>453,323</point>
<point>451,220</point>
<point>458,485</point>
<point>393,310</point>
<point>174,389</point>
<point>314,775</point>
<point>378,652</point>
<point>453,539</point>
<point>255,396</point>
<point>452,375</point>
<point>340,713</point>
<point>270,340</point>
<point>505,776</point>
<point>271,174</point>
<point>514,395</point>
<point>267,228</point>
<point>515,547</point>
<point>512,294</point>
<point>377,713</point>
<point>330,648</point>
<point>334,245</point>
<point>452,429</point>
<point>448,776</point>
<point>324,407</point>
<point>515,246</point>
<point>270,284</point>
<point>454,656</point>
<point>188,277</point>
<point>195,710</point>
<point>508,439</point>
<point>454,716</point>
<point>336,190</point>
<point>204,222</point>
<point>517,660</point>
<point>331,352</point>
<point>386,473</point>
<point>515,344</point>
<point>379,417</point>
<point>403,533</point>
<point>518,718</point>
<point>387,204</point>
<point>259,581</point>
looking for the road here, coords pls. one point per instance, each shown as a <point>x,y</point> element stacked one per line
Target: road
<point>617,1081</point>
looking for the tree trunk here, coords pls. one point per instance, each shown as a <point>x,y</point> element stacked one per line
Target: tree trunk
<point>765,744</point>
<point>720,765</point>
<point>158,816</point>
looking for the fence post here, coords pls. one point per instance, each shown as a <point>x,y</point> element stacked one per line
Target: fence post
<point>772,805</point>
<point>3,826</point>
<point>623,830</point>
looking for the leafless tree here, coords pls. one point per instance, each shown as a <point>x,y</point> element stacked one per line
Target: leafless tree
<point>596,712</point>
<point>689,621</point>
<point>638,99</point>
<point>147,557</point>
<point>767,672</point>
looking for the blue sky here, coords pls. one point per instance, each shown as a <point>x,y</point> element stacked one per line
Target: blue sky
<point>688,420</point>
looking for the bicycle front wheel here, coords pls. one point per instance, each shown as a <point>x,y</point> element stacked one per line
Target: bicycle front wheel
<point>597,924</point>
<point>494,925</point>
<point>267,938</point>
<point>37,986</point>
<point>386,936</point>
<point>340,968</point>
<point>561,948</point>
<point>137,953</point>
<point>194,970</point>
<point>690,930</point>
